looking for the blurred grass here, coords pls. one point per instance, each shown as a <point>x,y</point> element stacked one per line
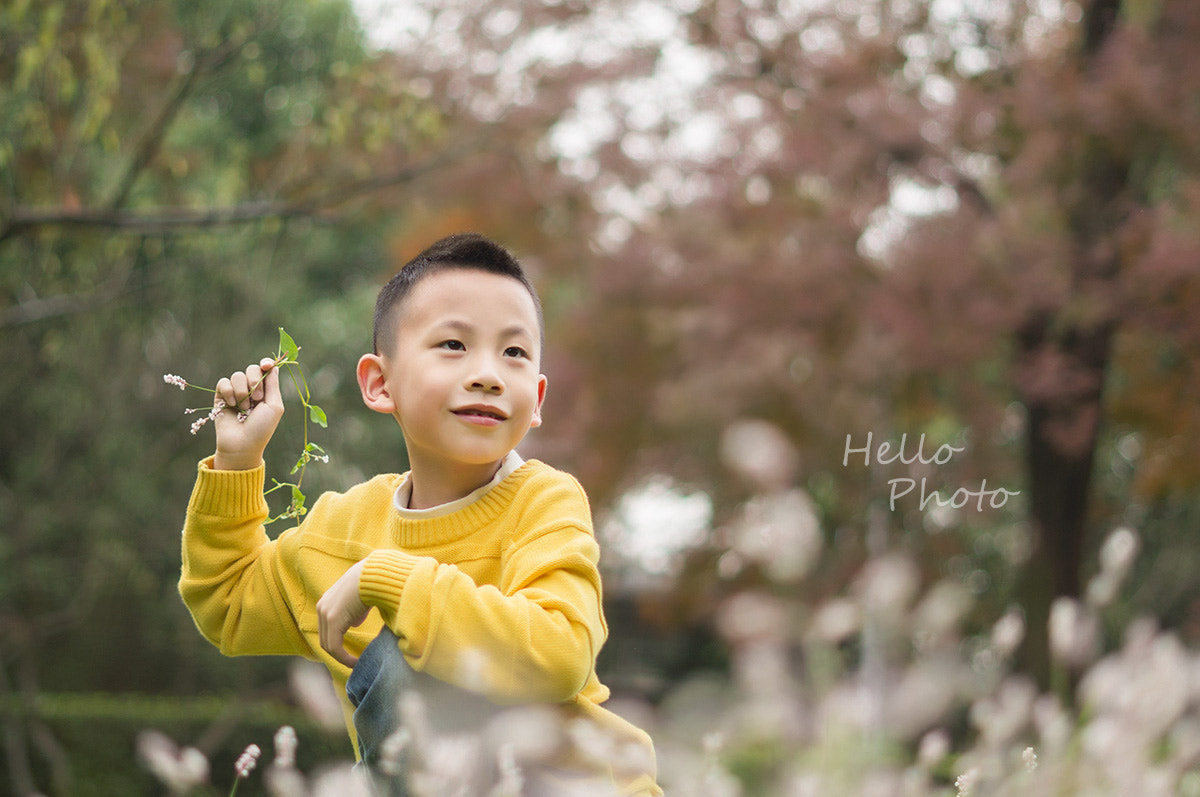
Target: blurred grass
<point>107,707</point>
<point>97,734</point>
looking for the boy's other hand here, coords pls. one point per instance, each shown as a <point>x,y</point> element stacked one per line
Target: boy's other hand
<point>241,442</point>
<point>339,610</point>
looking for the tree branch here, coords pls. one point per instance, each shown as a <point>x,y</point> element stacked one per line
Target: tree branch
<point>23,220</point>
<point>152,138</point>
<point>149,222</point>
<point>35,309</point>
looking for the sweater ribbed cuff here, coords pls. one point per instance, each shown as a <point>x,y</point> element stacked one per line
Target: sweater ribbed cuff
<point>382,580</point>
<point>228,493</point>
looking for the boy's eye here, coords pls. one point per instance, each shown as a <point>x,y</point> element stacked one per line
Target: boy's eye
<point>516,351</point>
<point>452,345</point>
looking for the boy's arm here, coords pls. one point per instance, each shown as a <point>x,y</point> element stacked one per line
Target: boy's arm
<point>533,638</point>
<point>230,579</point>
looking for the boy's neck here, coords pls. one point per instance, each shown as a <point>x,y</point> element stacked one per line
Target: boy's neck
<point>432,486</point>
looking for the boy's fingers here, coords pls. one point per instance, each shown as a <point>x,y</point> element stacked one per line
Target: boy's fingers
<point>271,394</point>
<point>257,384</point>
<point>225,391</point>
<point>344,657</point>
<point>254,388</point>
<point>333,641</point>
<point>240,390</point>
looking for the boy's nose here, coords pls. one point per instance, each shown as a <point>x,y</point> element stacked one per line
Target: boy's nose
<point>487,385</point>
<point>486,378</point>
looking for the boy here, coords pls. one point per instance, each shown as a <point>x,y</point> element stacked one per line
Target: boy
<point>481,567</point>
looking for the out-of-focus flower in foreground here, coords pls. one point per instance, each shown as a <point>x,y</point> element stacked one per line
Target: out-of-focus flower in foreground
<point>179,769</point>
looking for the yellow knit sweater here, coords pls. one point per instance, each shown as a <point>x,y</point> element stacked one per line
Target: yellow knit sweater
<point>501,598</point>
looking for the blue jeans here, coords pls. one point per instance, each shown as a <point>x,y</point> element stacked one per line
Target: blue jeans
<point>374,688</point>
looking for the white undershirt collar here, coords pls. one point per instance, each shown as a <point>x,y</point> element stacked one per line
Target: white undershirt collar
<point>403,494</point>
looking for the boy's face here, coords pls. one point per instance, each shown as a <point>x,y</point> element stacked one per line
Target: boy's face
<point>463,376</point>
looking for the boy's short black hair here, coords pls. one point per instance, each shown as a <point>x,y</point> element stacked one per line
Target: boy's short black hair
<point>462,250</point>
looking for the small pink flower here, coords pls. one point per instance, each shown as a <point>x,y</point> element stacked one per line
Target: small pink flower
<point>247,761</point>
<point>218,405</point>
<point>177,381</point>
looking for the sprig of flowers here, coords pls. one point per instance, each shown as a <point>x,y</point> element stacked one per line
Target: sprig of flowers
<point>286,356</point>
<point>245,764</point>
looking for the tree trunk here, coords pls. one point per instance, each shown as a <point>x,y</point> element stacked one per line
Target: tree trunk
<point>1060,370</point>
<point>1063,430</point>
<point>1064,364</point>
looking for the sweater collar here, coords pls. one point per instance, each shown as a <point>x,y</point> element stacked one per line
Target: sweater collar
<point>451,523</point>
<point>403,493</point>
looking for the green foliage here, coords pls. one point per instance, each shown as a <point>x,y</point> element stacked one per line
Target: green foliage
<point>117,121</point>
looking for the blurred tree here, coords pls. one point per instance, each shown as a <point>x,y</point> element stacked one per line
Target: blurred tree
<point>1079,224</point>
<point>901,218</point>
<point>176,180</point>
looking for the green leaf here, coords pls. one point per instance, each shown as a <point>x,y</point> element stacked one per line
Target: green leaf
<point>318,415</point>
<point>288,346</point>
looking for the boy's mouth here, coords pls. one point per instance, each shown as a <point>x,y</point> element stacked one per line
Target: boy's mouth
<point>480,411</point>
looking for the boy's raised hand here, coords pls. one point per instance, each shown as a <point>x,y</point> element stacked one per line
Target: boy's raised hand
<point>241,443</point>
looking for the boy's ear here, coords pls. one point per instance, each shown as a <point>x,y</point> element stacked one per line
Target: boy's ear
<point>372,383</point>
<point>537,410</point>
